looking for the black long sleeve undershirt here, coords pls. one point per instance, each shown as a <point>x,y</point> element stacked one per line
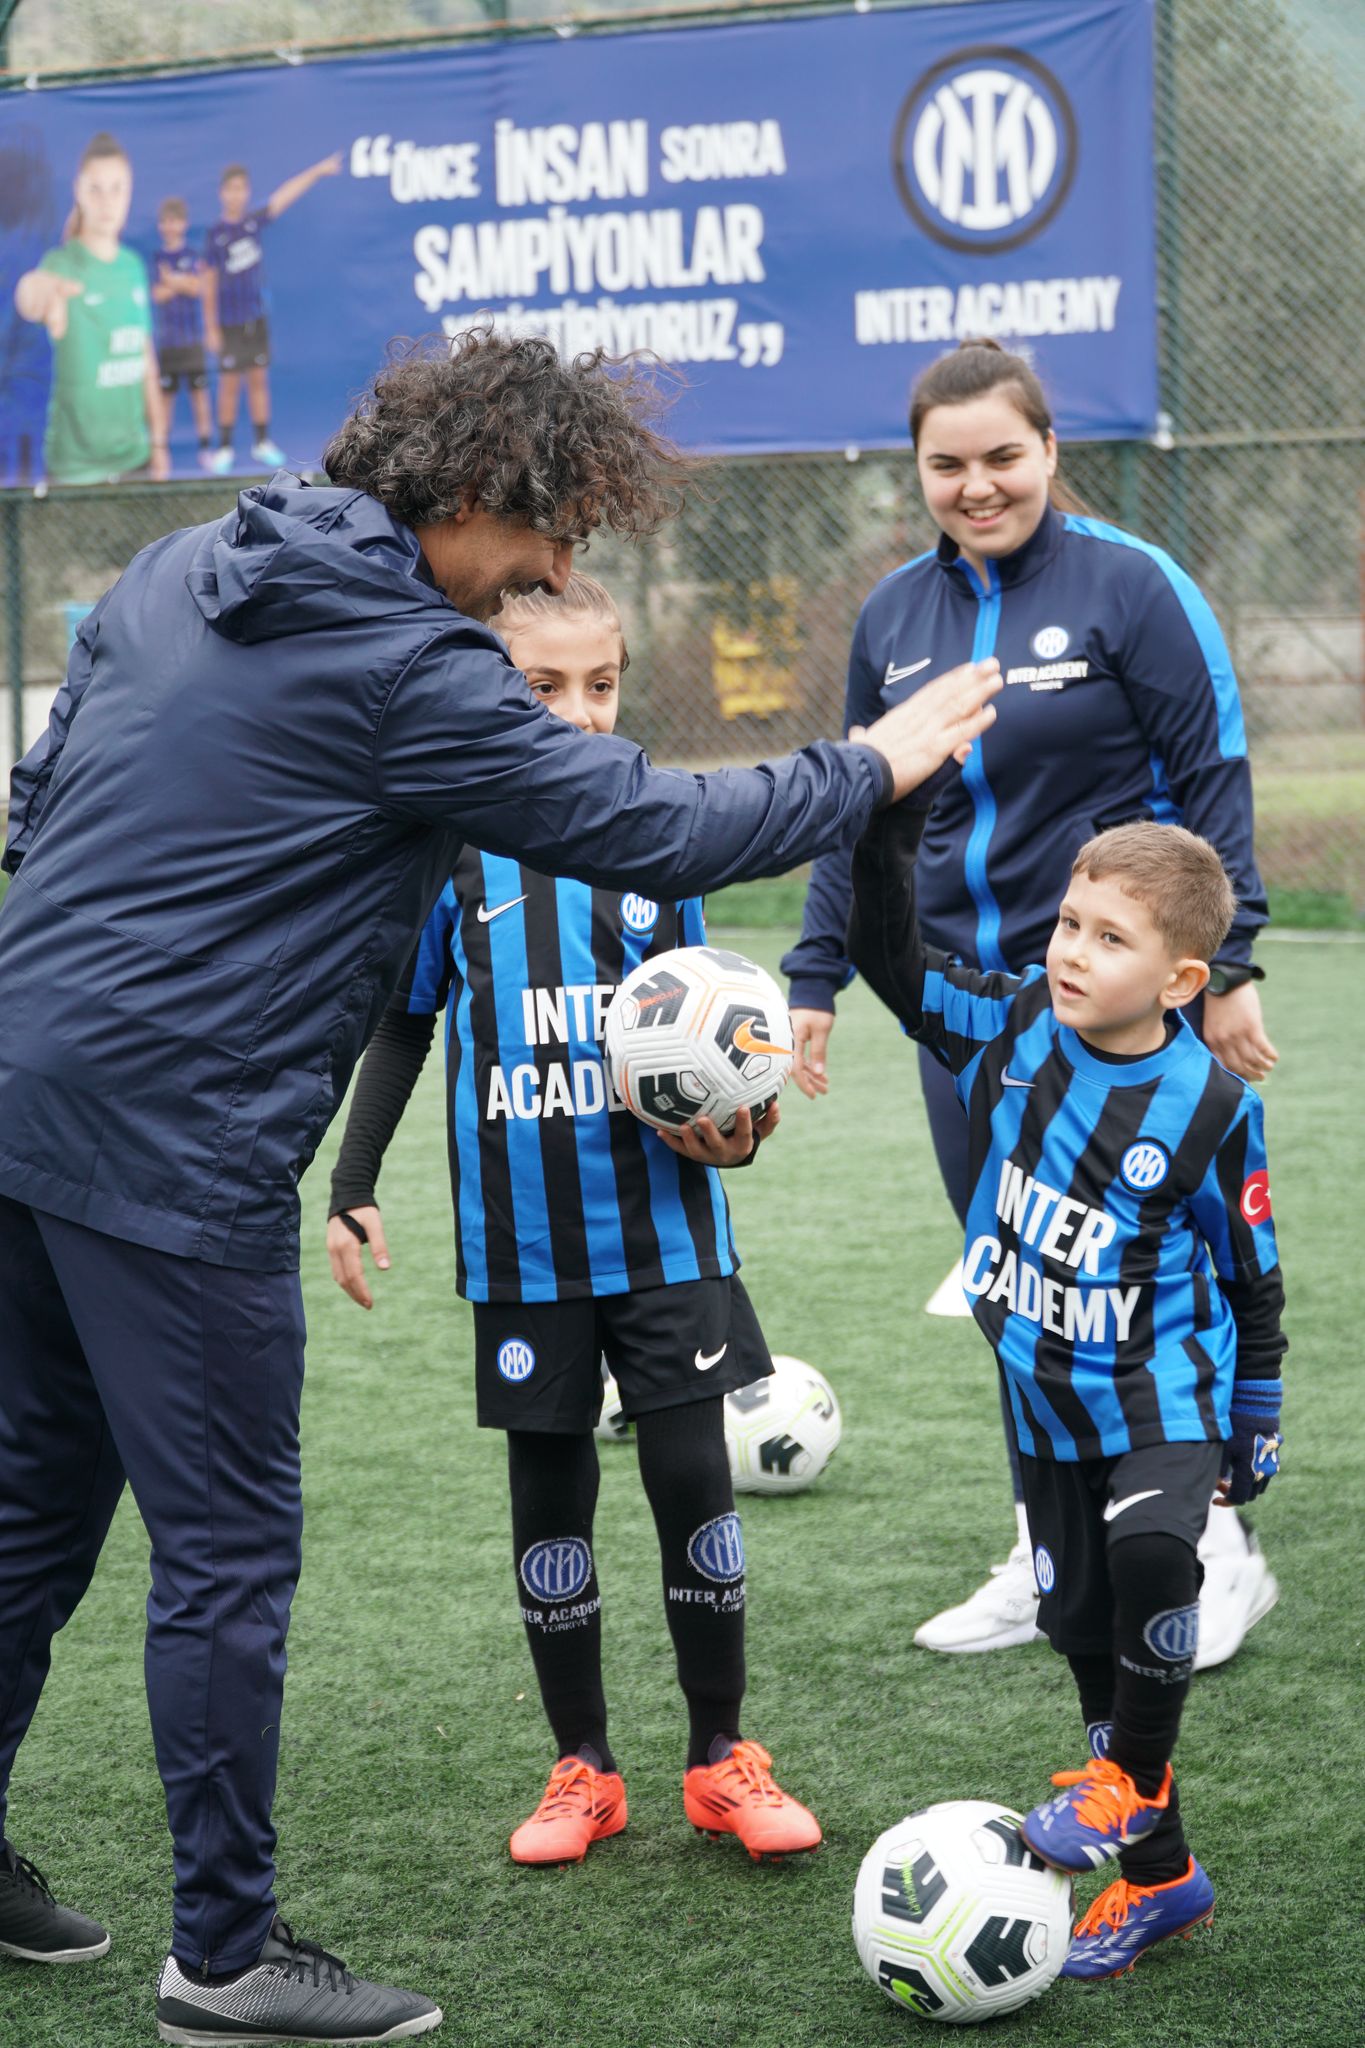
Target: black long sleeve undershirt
<point>384,1085</point>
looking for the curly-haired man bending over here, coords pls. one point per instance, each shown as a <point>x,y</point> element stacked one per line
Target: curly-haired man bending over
<point>274,732</point>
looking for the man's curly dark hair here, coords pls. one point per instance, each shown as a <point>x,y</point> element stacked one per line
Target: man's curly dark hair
<point>565,446</point>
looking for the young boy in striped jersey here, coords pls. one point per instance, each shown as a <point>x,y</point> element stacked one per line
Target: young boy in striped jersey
<point>581,1233</point>
<point>1121,1260</point>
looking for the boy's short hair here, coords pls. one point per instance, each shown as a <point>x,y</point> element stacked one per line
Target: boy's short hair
<point>234,171</point>
<point>172,209</point>
<point>581,598</point>
<point>1176,876</point>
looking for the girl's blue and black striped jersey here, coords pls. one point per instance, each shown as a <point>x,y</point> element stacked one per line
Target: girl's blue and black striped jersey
<point>1120,1254</point>
<point>559,1192</point>
<point>1120,702</point>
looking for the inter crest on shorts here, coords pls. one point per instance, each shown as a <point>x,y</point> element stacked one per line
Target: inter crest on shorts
<point>516,1360</point>
<point>1044,1570</point>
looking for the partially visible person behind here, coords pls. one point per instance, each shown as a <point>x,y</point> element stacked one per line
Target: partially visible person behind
<point>1121,1260</point>
<point>579,1238</point>
<point>104,416</point>
<point>178,314</point>
<point>1121,704</point>
<point>235,322</point>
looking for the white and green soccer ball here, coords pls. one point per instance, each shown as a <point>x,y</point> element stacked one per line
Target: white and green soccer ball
<point>698,1031</point>
<point>781,1432</point>
<point>955,1918</point>
<point>613,1426</point>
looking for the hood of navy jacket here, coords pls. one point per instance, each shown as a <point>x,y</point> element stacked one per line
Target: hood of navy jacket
<point>270,569</point>
<point>274,734</point>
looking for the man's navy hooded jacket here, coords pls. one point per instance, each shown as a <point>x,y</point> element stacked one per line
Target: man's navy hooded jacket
<point>274,735</point>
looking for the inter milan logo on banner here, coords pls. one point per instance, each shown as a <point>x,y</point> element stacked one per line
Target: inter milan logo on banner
<point>558,1568</point>
<point>985,149</point>
<point>717,1550</point>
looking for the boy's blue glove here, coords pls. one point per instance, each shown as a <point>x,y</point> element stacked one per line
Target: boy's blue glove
<point>1251,1455</point>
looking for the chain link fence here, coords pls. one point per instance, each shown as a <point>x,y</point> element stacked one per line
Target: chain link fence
<point>739,622</point>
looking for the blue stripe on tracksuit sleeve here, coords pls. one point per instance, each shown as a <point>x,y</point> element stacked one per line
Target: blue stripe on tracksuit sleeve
<point>988,953</point>
<point>592,1134</point>
<point>507,948</point>
<point>465,1110</point>
<point>692,918</point>
<point>431,967</point>
<point>1232,738</point>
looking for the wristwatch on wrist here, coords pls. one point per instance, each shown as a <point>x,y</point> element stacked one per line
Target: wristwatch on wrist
<point>1231,975</point>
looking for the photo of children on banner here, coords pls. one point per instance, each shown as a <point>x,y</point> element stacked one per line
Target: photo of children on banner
<point>104,415</point>
<point>178,323</point>
<point>235,325</point>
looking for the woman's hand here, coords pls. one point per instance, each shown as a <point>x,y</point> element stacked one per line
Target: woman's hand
<point>810,1036</point>
<point>704,1142</point>
<point>1234,1032</point>
<point>346,1254</point>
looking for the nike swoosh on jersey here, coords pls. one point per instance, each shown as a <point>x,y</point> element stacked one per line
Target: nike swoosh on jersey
<point>898,675</point>
<point>1130,1500</point>
<point>1013,1081</point>
<point>704,1363</point>
<point>486,916</point>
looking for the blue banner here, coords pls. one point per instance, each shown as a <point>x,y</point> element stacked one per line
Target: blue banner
<point>797,215</point>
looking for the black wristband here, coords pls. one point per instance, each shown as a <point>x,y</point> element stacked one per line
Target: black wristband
<point>356,1229</point>
<point>1225,977</point>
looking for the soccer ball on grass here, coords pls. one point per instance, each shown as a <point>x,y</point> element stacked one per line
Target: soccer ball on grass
<point>781,1432</point>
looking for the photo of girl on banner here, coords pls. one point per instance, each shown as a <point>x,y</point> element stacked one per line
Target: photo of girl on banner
<point>104,412</point>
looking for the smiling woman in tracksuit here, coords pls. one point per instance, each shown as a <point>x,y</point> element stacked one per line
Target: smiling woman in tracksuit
<point>1120,703</point>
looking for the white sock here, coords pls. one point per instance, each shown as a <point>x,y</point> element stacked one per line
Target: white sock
<point>1021,1517</point>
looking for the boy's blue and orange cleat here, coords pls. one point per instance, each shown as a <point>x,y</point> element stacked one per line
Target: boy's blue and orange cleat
<point>581,1806</point>
<point>1128,1919</point>
<point>737,1795</point>
<point>1100,1812</point>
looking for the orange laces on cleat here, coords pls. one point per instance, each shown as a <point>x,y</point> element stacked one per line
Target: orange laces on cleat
<point>1110,1794</point>
<point>1113,1906</point>
<point>747,1774</point>
<point>572,1787</point>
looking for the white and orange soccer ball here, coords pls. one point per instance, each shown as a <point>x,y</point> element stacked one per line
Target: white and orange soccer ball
<point>699,1031</point>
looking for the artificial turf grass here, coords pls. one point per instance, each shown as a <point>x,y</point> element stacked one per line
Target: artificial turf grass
<point>413,1738</point>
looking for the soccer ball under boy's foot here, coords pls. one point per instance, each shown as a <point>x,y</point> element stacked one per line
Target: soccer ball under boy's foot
<point>955,1919</point>
<point>294,1992</point>
<point>1100,1812</point>
<point>1128,1919</point>
<point>737,1795</point>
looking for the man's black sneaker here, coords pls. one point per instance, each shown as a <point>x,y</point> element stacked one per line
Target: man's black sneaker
<point>294,1992</point>
<point>34,1927</point>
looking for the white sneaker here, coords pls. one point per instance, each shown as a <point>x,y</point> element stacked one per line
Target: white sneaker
<point>999,1615</point>
<point>220,461</point>
<point>948,1298</point>
<point>1239,1588</point>
<point>268,453</point>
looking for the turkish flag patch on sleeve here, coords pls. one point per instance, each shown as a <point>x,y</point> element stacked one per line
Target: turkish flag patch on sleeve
<point>1255,1201</point>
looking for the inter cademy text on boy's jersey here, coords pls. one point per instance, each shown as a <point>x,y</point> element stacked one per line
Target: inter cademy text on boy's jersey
<point>559,1192</point>
<point>1112,1202</point>
<point>1120,702</point>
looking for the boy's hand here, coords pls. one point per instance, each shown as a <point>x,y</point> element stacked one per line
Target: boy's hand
<point>810,1034</point>
<point>1251,1455</point>
<point>709,1146</point>
<point>938,723</point>
<point>346,1254</point>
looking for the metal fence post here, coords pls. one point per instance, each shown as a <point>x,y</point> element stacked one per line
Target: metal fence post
<point>14,617</point>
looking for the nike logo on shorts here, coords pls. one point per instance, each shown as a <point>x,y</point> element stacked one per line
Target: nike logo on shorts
<point>898,675</point>
<point>1011,1081</point>
<point>1116,1507</point>
<point>704,1361</point>
<point>486,916</point>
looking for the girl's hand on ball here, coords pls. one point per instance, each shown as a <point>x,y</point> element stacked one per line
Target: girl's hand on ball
<point>709,1146</point>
